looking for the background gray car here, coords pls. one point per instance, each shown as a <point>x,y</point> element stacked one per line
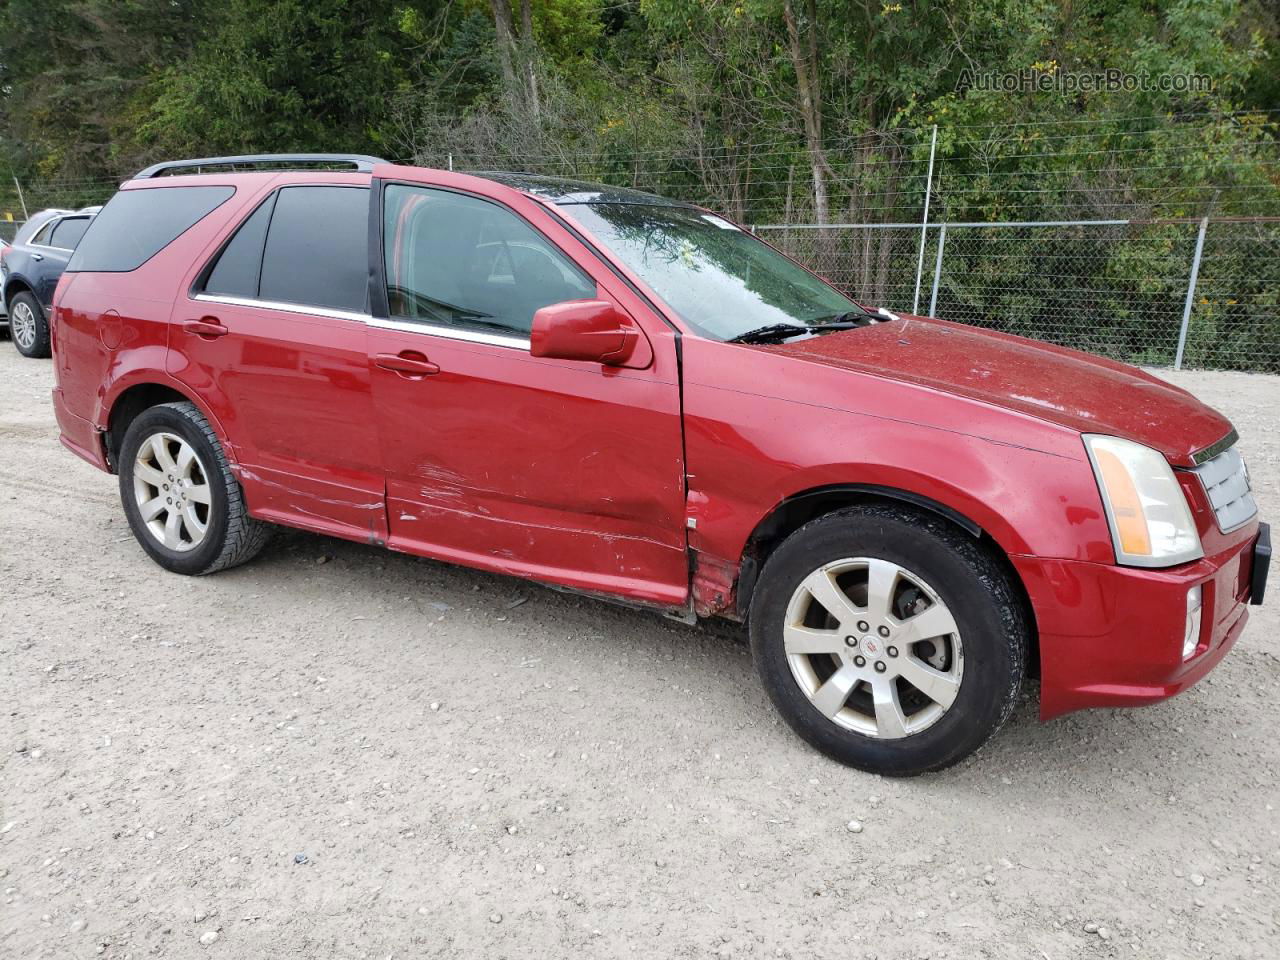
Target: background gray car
<point>29,273</point>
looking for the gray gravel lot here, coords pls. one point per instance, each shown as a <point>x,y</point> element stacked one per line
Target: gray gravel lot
<point>339,752</point>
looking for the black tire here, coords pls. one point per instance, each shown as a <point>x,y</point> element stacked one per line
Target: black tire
<point>975,587</point>
<point>39,347</point>
<point>232,537</point>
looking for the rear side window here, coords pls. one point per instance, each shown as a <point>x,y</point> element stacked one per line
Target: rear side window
<point>236,272</point>
<point>68,232</point>
<point>135,225</point>
<point>317,250</point>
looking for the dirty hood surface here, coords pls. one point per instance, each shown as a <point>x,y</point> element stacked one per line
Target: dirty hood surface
<point>1075,390</point>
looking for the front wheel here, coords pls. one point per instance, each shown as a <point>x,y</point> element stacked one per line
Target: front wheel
<point>184,505</point>
<point>888,639</point>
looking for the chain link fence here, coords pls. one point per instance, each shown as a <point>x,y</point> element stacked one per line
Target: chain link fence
<point>1115,288</point>
<point>1122,289</point>
<point>1080,232</point>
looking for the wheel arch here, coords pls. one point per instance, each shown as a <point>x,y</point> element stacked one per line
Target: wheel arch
<point>137,397</point>
<point>798,509</point>
<point>15,285</point>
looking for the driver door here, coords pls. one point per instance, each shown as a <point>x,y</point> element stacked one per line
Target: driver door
<point>563,471</point>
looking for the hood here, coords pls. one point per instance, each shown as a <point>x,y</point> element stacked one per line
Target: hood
<point>1081,392</point>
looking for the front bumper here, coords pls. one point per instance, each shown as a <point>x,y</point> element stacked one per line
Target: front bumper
<point>1111,636</point>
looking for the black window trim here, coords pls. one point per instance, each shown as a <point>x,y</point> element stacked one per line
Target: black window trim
<point>202,276</point>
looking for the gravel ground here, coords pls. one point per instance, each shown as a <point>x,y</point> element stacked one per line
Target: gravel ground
<point>339,752</point>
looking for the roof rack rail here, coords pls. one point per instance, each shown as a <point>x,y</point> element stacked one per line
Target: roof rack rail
<point>362,163</point>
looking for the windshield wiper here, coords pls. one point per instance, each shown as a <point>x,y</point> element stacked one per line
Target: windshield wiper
<point>837,324</point>
<point>770,332</point>
<point>850,316</point>
<point>777,332</point>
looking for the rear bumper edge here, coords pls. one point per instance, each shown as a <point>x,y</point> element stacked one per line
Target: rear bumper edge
<point>79,435</point>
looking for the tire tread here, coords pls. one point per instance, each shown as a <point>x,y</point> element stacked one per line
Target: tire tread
<point>41,349</point>
<point>994,577</point>
<point>245,535</point>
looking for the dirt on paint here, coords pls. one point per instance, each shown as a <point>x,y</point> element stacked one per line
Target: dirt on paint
<point>337,752</point>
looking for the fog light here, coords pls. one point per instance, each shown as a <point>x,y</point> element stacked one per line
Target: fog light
<point>1191,639</point>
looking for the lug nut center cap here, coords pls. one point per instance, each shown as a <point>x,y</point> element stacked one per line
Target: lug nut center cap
<point>871,646</point>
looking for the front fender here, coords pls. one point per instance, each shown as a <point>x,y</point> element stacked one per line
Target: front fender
<point>1028,502</point>
<point>1025,482</point>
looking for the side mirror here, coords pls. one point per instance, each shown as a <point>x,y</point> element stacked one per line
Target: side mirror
<point>592,330</point>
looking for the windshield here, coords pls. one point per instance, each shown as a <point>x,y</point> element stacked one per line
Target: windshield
<point>722,280</point>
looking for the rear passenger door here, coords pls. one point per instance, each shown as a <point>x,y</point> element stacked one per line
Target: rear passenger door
<point>272,333</point>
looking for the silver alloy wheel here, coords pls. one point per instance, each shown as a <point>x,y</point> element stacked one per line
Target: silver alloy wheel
<point>22,325</point>
<point>171,488</point>
<point>873,647</point>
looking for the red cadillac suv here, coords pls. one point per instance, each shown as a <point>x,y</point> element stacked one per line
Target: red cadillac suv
<point>635,398</point>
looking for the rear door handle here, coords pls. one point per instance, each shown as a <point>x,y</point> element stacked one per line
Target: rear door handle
<point>37,256</point>
<point>207,327</point>
<point>407,363</point>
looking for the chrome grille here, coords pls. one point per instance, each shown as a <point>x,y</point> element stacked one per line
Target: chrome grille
<point>1226,483</point>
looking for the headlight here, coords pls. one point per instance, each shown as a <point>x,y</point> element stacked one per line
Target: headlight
<point>1150,522</point>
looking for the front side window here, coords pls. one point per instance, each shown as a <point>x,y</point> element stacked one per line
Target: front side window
<point>720,279</point>
<point>462,261</point>
<point>68,232</point>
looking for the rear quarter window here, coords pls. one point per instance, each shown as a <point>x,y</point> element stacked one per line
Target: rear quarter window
<point>68,232</point>
<point>135,225</point>
<point>41,236</point>
<point>239,265</point>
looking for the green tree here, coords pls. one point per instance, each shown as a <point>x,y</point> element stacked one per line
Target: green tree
<point>288,75</point>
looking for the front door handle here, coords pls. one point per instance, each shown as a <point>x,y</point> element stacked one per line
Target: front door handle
<point>206,327</point>
<point>407,363</point>
<point>37,256</point>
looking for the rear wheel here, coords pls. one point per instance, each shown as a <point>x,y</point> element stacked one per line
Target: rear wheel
<point>888,639</point>
<point>27,326</point>
<point>183,503</point>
